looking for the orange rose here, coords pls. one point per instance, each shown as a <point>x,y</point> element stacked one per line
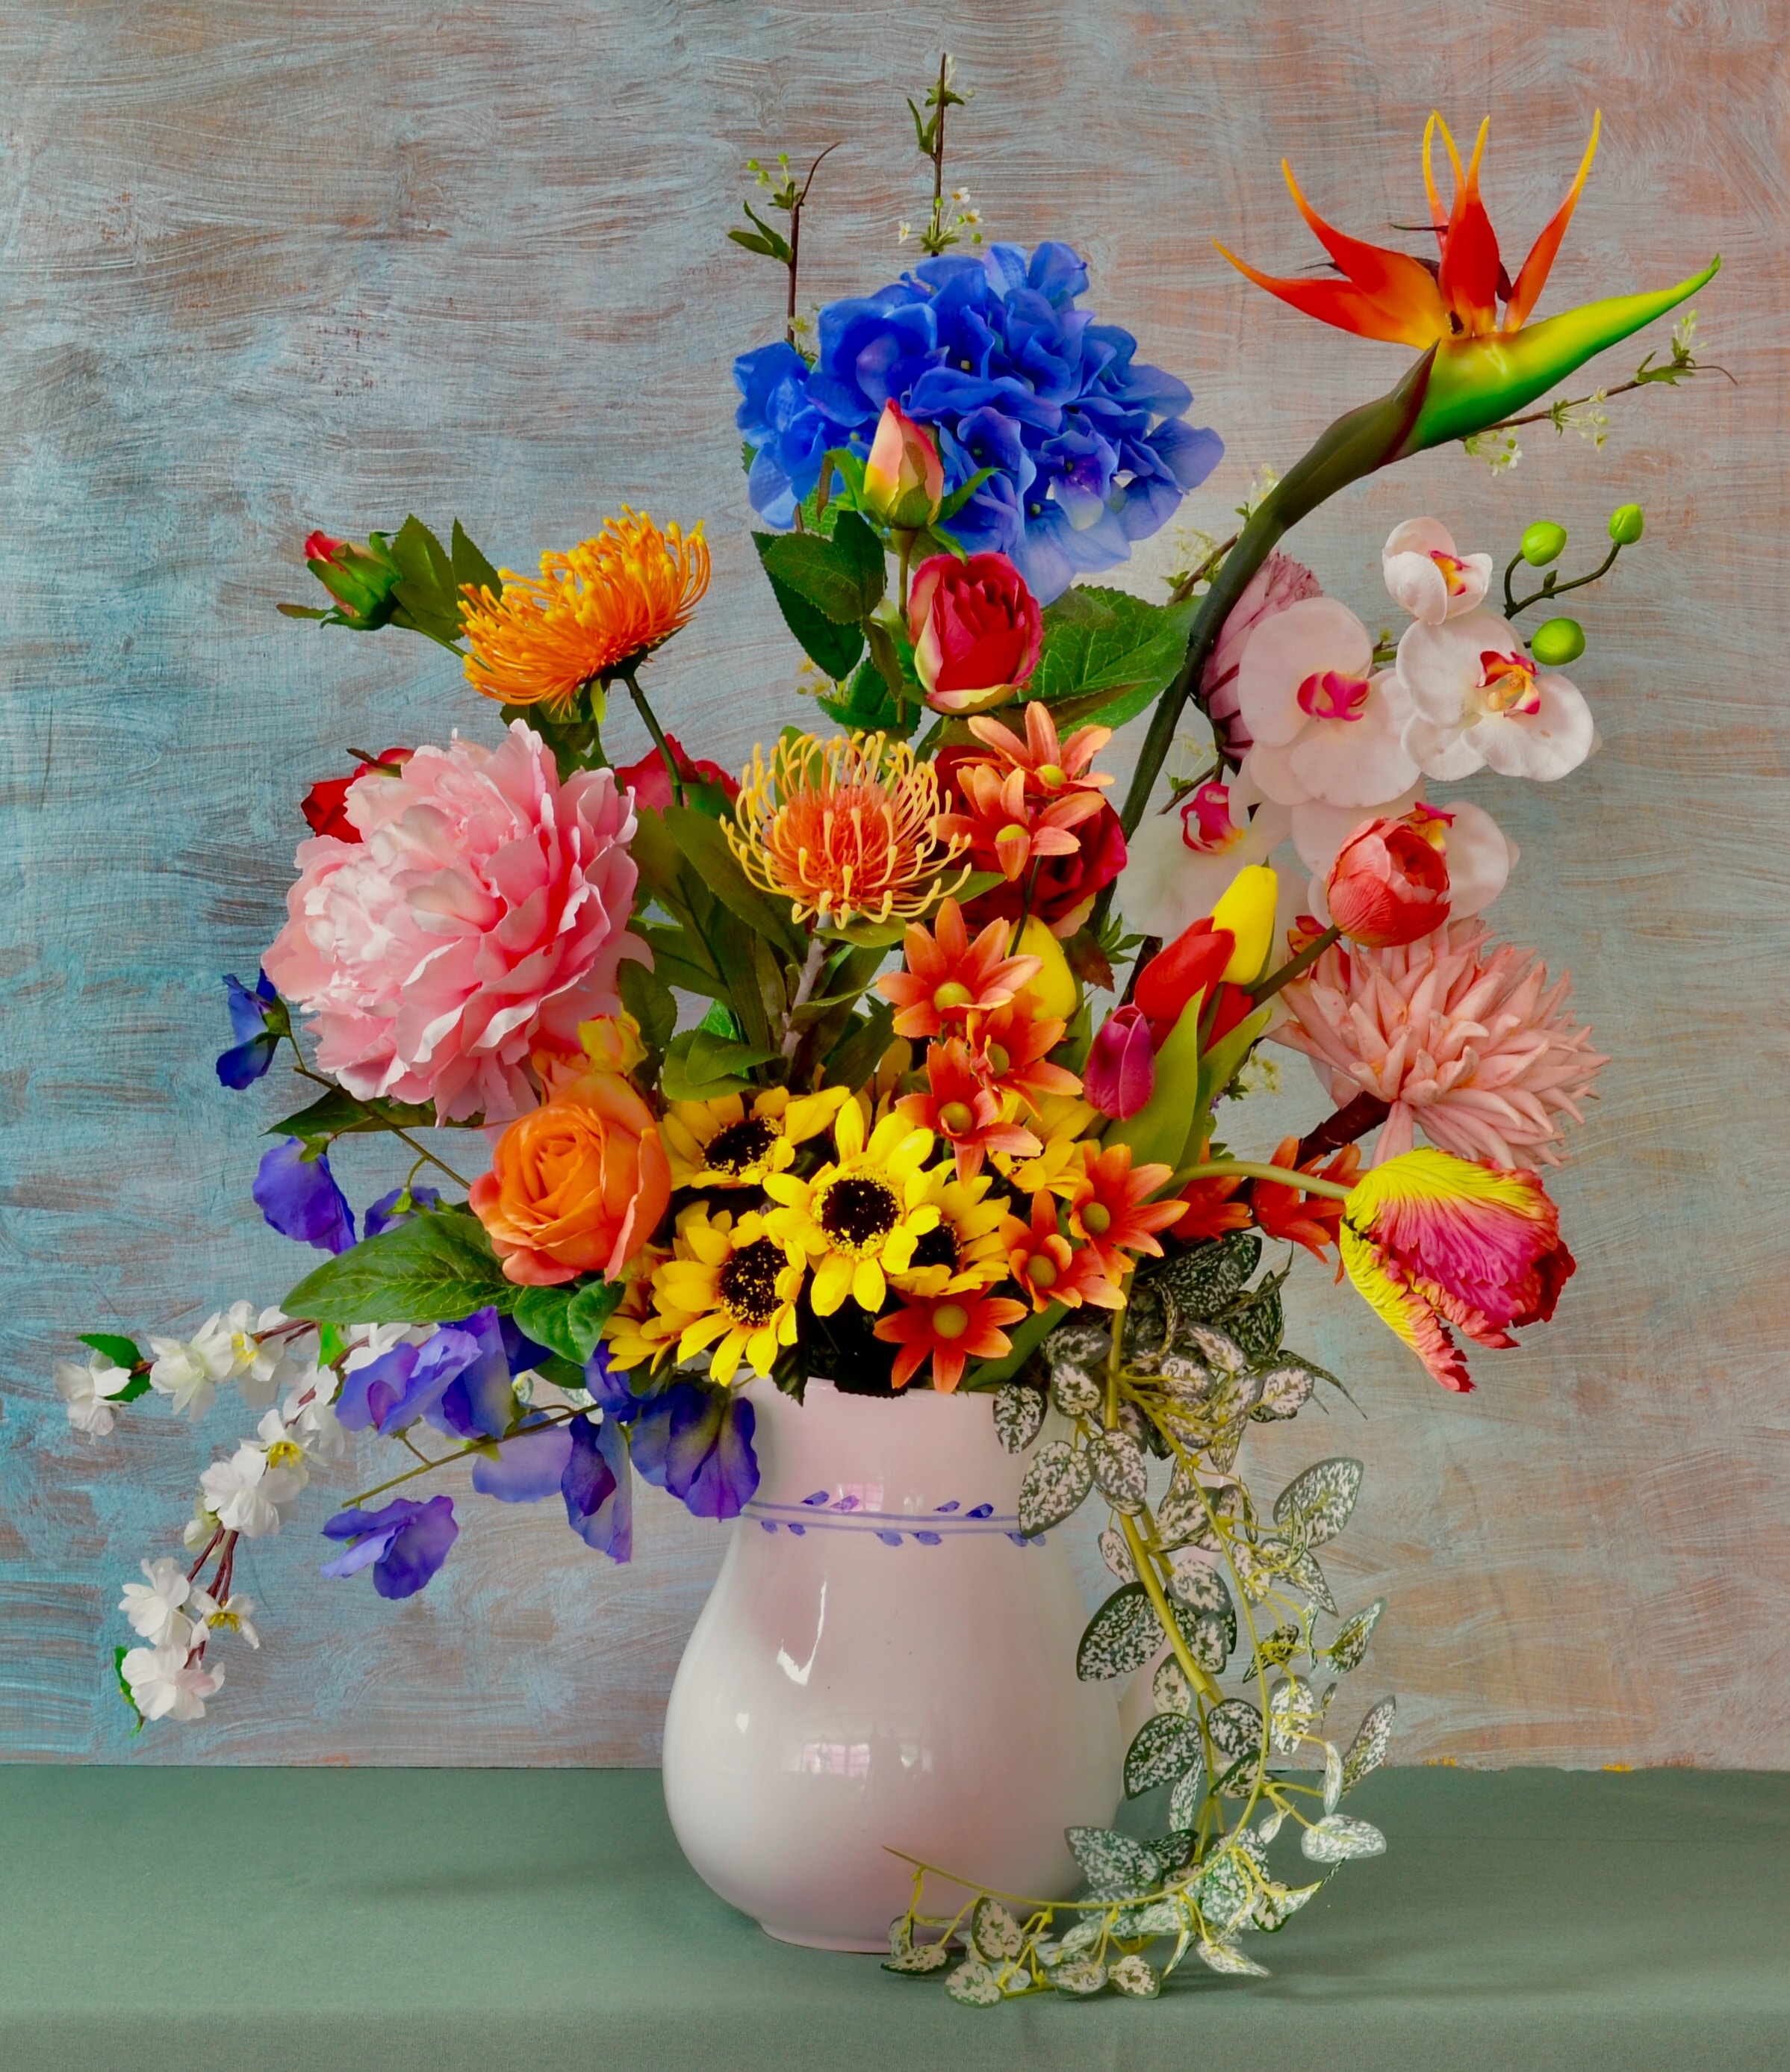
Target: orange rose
<point>577,1186</point>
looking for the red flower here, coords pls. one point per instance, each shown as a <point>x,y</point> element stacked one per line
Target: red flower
<point>951,1329</point>
<point>1109,1210</point>
<point>1389,883</point>
<point>904,478</point>
<point>1210,1211</point>
<point>1311,1220</point>
<point>1193,963</point>
<point>963,1108</point>
<point>1121,1074</point>
<point>976,629</point>
<point>650,782</point>
<point>1049,1269</point>
<point>325,804</point>
<point>320,547</point>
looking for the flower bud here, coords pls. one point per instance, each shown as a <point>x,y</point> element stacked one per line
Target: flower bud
<point>1247,910</point>
<point>1195,962</point>
<point>1121,1071</point>
<point>976,630</point>
<point>1389,883</point>
<point>903,480</point>
<point>1557,643</point>
<point>1544,541</point>
<point>1054,988</point>
<point>363,581</point>
<point>1627,524</point>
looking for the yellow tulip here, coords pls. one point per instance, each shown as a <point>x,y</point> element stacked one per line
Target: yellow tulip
<point>1247,910</point>
<point>1054,988</point>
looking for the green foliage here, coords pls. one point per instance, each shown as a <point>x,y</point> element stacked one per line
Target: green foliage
<point>1121,1637</point>
<point>701,842</point>
<point>432,1269</point>
<point>121,1352</point>
<point>339,1113</point>
<point>1164,1748</point>
<point>1116,1866</point>
<point>1319,1500</point>
<point>701,1066</point>
<point>1055,1484</point>
<point>843,578</point>
<point>569,1319</point>
<point>1019,1412</point>
<point>1109,654</point>
<point>648,998</point>
<point>118,1655</point>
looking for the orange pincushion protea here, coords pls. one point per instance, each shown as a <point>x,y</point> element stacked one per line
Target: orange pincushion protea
<point>592,608</point>
<point>843,827</point>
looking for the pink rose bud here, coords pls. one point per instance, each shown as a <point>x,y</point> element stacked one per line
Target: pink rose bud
<point>1389,883</point>
<point>904,478</point>
<point>976,630</point>
<point>320,547</point>
<point>1121,1073</point>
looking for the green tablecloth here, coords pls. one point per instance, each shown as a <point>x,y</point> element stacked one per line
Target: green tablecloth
<point>428,1920</point>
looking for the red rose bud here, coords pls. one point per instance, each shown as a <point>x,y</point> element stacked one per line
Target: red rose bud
<point>903,480</point>
<point>976,630</point>
<point>363,581</point>
<point>1389,883</point>
<point>1193,963</point>
<point>650,782</point>
<point>1121,1071</point>
<point>320,547</point>
<point>326,803</point>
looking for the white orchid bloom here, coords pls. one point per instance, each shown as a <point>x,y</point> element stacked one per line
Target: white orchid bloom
<point>1324,725</point>
<point>1428,575</point>
<point>1478,699</point>
<point>1179,864</point>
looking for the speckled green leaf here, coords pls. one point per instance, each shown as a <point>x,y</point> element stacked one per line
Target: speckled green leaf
<point>1133,1975</point>
<point>1256,1325</point>
<point>1345,1653</point>
<point>1285,1390</point>
<point>1116,1555</point>
<point>1303,1573</point>
<point>1119,1472</point>
<point>1273,1649</point>
<point>1277,1904</point>
<point>974,1984</point>
<point>1122,1636</point>
<point>1320,1499</point>
<point>920,1961</point>
<point>1367,1751</point>
<point>1058,1479</point>
<point>1081,1977</point>
<point>1170,1688</point>
<point>1225,1891</point>
<point>1161,1750</point>
<point>1337,1839</point>
<point>1235,1728</point>
<point>1187,1798</point>
<point>1116,1866</point>
<point>1224,1957</point>
<point>1019,1411</point>
<point>994,1933</point>
<point>1293,1711</point>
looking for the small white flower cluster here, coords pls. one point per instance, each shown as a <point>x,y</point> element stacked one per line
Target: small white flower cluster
<point>89,1390</point>
<point>1497,448</point>
<point>233,1345</point>
<point>169,1678</point>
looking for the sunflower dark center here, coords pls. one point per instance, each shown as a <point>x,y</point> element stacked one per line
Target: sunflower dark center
<point>747,1283</point>
<point>937,1247</point>
<point>740,1146</point>
<point>855,1213</point>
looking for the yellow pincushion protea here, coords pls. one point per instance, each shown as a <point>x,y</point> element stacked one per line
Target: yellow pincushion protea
<point>733,1286</point>
<point>859,1219</point>
<point>723,1143</point>
<point>600,605</point>
<point>965,1249</point>
<point>843,828</point>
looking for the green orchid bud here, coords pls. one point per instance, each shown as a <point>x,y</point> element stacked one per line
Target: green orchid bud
<point>1557,643</point>
<point>1544,541</point>
<point>1627,524</point>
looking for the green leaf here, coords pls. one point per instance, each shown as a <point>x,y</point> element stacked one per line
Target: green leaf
<point>1295,1710</point>
<point>973,1983</point>
<point>339,1114</point>
<point>1320,1499</point>
<point>471,566</point>
<point>1303,1573</point>
<point>1345,1653</point>
<point>1019,1411</point>
<point>677,961</point>
<point>1112,653</point>
<point>1116,1866</point>
<point>1275,1648</point>
<point>699,1066</point>
<point>869,706</point>
<point>648,999</point>
<point>1337,1839</point>
<point>961,495</point>
<point>1367,1751</point>
<point>919,1961</point>
<point>843,578</point>
<point>433,1269</point>
<point>429,602</point>
<point>1122,1636</point>
<point>994,1933</point>
<point>568,1319</point>
<point>701,843</point>
<point>1055,1484</point>
<point>1234,1728</point>
<point>121,1352</point>
<point>1170,1690</point>
<point>118,1655</point>
<point>1222,1064</point>
<point>1162,1749</point>
<point>1285,1389</point>
<point>1080,1980</point>
<point>1188,1797</point>
<point>1205,1613</point>
<point>1224,1957</point>
<point>1133,1976</point>
<point>1119,1471</point>
<point>853,1058</point>
<point>1257,1323</point>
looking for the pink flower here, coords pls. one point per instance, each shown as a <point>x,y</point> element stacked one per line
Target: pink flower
<point>1465,1039</point>
<point>1389,883</point>
<point>1326,724</point>
<point>483,914</point>
<point>1428,574</point>
<point>1121,1073</point>
<point>976,630</point>
<point>1278,583</point>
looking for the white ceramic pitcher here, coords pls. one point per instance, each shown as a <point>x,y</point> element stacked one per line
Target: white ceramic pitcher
<point>882,1663</point>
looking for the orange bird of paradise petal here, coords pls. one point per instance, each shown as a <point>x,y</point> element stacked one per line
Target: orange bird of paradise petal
<point>1389,295</point>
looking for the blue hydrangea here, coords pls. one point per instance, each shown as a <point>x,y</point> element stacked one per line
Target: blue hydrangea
<point>1088,448</point>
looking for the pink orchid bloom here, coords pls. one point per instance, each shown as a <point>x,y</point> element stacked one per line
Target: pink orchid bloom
<point>1324,725</point>
<point>1477,699</point>
<point>1428,575</point>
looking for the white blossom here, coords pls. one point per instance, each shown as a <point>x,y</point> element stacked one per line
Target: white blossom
<point>165,1685</point>
<point>247,1491</point>
<point>201,1528</point>
<point>87,1389</point>
<point>230,1617</point>
<point>154,1608</point>
<point>187,1370</point>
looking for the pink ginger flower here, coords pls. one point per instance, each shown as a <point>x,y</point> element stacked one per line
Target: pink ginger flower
<point>1464,1040</point>
<point>1278,583</point>
<point>482,916</point>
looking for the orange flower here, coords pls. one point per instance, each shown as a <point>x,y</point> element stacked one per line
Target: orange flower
<point>600,607</point>
<point>1109,1210</point>
<point>1012,1043</point>
<point>1389,295</point>
<point>1003,825</point>
<point>1049,1269</point>
<point>1210,1211</point>
<point>842,827</point>
<point>577,1186</point>
<point>947,975</point>
<point>950,1329</point>
<point>1311,1220</point>
<point>1050,766</point>
<point>961,1107</point>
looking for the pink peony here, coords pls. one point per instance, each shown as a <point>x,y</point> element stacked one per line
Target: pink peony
<point>1278,583</point>
<point>1463,1038</point>
<point>483,914</point>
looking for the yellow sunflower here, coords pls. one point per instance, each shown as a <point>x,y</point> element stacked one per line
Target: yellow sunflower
<point>723,1143</point>
<point>735,1288</point>
<point>637,1328</point>
<point>964,1250</point>
<point>860,1218</point>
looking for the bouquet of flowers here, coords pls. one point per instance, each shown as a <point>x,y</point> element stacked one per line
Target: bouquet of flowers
<point>901,1057</point>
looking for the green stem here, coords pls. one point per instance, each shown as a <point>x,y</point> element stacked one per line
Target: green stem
<point>1294,966</point>
<point>391,1128</point>
<point>447,1460</point>
<point>658,734</point>
<point>1548,591</point>
<point>1249,1168</point>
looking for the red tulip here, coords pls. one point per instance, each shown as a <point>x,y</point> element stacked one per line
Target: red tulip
<point>1121,1072</point>
<point>1389,883</point>
<point>325,804</point>
<point>1193,963</point>
<point>976,629</point>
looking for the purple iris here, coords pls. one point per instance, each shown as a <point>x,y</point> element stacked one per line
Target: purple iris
<point>459,1381</point>
<point>697,1442</point>
<point>405,1544</point>
<point>258,1021</point>
<point>1089,449</point>
<point>385,1214</point>
<point>295,1191</point>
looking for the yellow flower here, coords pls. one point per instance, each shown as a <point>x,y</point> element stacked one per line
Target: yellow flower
<point>1054,988</point>
<point>860,1218</point>
<point>724,1144</point>
<point>1063,1121</point>
<point>1247,910</point>
<point>734,1286</point>
<point>637,1329</point>
<point>964,1249</point>
<point>843,827</point>
<point>600,606</point>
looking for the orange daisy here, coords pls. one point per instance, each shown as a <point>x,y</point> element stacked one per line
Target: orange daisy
<point>1210,1211</point>
<point>1001,823</point>
<point>960,1106</point>
<point>1052,766</point>
<point>1110,1212</point>
<point>1311,1220</point>
<point>592,612</point>
<point>1045,1264</point>
<point>948,975</point>
<point>843,827</point>
<point>1013,1043</point>
<point>949,1330</point>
